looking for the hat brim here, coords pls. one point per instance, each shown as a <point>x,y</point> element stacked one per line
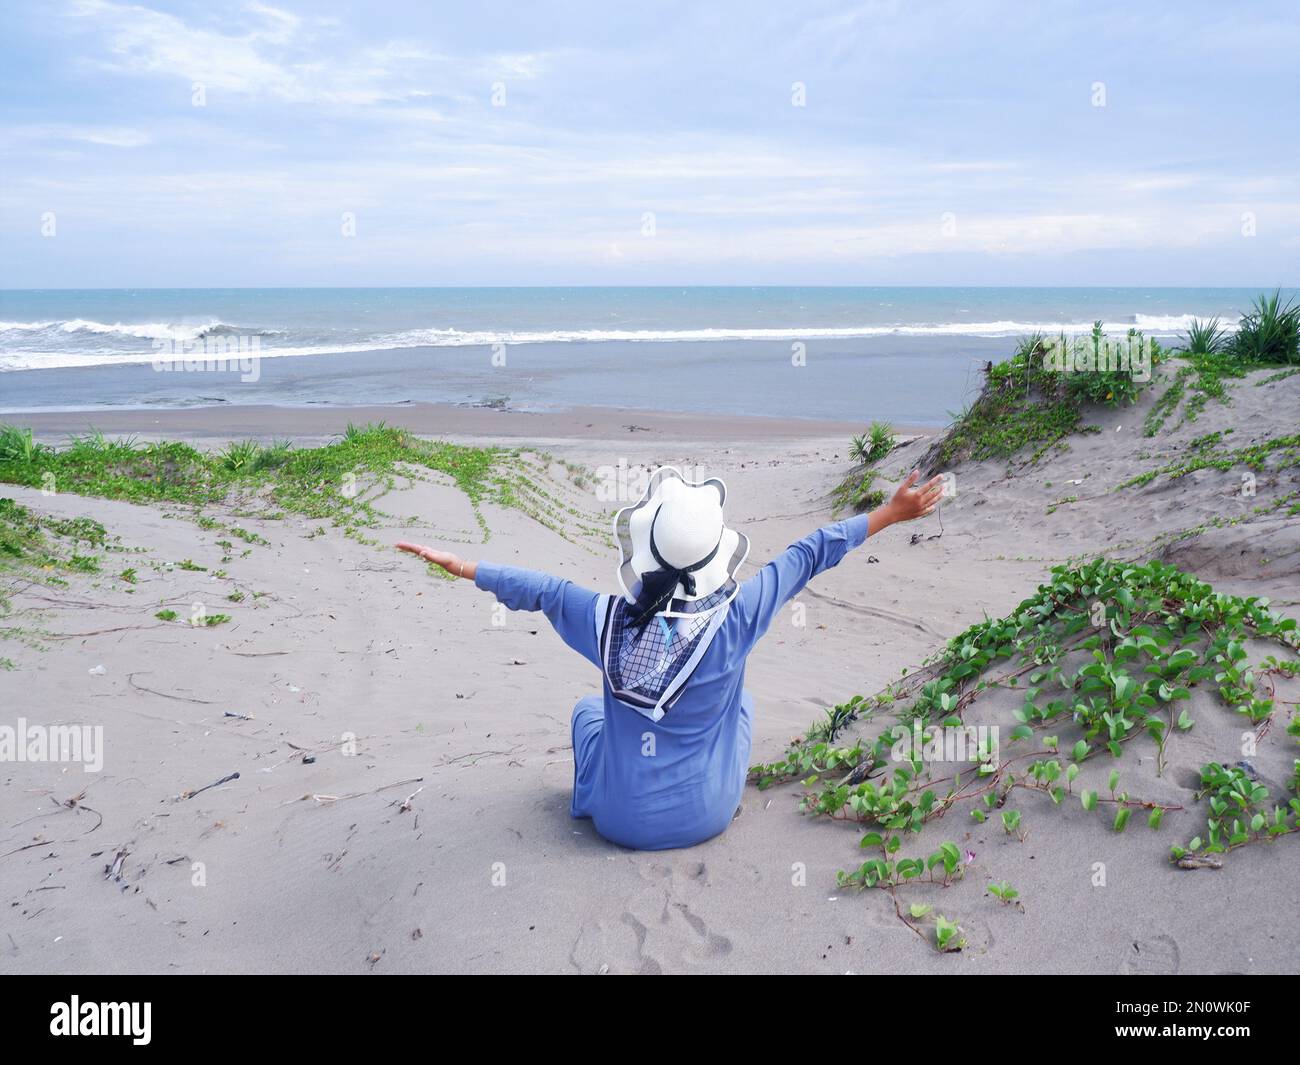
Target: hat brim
<point>635,557</point>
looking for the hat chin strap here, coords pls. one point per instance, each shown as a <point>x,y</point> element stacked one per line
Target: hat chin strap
<point>658,586</point>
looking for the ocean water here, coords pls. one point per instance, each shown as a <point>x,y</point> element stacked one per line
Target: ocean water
<point>851,353</point>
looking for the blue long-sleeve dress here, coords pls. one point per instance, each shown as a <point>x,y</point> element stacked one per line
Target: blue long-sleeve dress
<point>675,781</point>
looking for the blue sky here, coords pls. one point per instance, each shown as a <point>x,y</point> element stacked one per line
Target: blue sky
<point>596,143</point>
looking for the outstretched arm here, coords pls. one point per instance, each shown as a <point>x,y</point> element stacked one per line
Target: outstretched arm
<point>570,609</point>
<point>785,576</point>
<point>453,564</point>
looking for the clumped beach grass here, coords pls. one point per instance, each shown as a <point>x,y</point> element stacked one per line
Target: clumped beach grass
<point>1206,337</point>
<point>874,445</point>
<point>856,491</point>
<point>337,482</point>
<point>1267,337</point>
<point>1026,406</point>
<point>1207,374</point>
<point>28,539</point>
<point>38,549</point>
<point>1208,452</point>
<point>340,484</point>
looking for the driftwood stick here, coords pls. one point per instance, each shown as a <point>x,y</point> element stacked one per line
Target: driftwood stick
<point>198,791</point>
<point>130,679</point>
<point>98,632</point>
<point>323,799</point>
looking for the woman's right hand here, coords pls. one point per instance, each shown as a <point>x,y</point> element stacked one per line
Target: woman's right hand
<point>911,502</point>
<point>907,503</point>
<point>453,564</point>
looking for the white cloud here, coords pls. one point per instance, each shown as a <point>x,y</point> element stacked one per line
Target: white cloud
<point>143,41</point>
<point>311,115</point>
<point>110,136</point>
<point>281,56</point>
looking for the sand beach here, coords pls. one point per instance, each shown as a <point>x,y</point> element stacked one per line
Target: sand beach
<point>403,754</point>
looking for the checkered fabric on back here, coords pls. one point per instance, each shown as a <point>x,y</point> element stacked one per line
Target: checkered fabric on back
<point>646,662</point>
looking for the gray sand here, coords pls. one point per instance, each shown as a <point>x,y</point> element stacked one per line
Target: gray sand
<point>317,867</point>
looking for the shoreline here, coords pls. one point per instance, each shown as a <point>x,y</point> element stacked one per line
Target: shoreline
<point>226,422</point>
<point>908,380</point>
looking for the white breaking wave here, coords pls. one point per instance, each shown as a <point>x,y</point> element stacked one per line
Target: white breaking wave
<point>25,325</point>
<point>140,330</point>
<point>1169,324</point>
<point>52,360</point>
<point>1152,325</point>
<point>137,330</point>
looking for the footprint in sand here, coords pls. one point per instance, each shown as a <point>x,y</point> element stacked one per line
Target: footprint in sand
<point>1158,956</point>
<point>617,946</point>
<point>977,932</point>
<point>657,930</point>
<point>873,909</point>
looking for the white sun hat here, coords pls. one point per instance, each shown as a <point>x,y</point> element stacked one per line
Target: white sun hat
<point>677,528</point>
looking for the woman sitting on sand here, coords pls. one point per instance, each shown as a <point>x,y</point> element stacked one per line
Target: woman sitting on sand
<point>660,756</point>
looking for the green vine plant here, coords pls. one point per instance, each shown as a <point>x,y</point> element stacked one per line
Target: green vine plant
<point>1110,651</point>
<point>1003,892</point>
<point>1239,808</point>
<point>947,934</point>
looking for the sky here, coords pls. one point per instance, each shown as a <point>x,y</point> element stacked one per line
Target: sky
<point>699,143</point>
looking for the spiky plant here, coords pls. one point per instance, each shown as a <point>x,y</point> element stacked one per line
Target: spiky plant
<point>17,445</point>
<point>1270,333</point>
<point>240,455</point>
<point>274,455</point>
<point>1206,337</point>
<point>881,441</point>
